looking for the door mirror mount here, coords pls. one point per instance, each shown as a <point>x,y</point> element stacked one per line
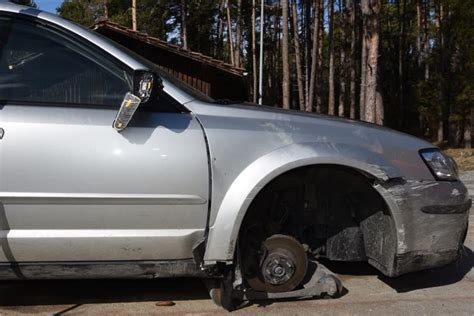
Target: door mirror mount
<point>146,85</point>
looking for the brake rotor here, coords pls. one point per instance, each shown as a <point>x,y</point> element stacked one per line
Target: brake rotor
<point>282,267</point>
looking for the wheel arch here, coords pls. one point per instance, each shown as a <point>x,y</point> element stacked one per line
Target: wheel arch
<point>223,234</point>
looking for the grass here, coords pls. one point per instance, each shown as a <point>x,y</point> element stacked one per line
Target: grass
<point>463,157</point>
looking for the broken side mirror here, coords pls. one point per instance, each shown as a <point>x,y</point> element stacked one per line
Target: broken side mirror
<point>146,85</point>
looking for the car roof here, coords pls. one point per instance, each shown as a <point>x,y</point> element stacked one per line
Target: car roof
<point>9,7</point>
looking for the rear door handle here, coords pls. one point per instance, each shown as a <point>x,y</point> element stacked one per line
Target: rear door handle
<point>2,132</point>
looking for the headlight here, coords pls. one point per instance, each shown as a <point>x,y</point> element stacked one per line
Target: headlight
<point>442,166</point>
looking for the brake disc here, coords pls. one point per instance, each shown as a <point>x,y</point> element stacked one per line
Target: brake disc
<point>282,267</point>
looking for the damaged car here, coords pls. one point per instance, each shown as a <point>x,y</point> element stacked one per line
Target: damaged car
<point>110,168</point>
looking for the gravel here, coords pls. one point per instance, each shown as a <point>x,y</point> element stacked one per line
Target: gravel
<point>468,178</point>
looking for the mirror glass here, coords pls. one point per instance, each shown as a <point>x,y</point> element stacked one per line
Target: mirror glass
<point>129,105</point>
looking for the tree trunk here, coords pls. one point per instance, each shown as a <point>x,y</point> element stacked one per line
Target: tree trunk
<point>229,34</point>
<point>379,108</point>
<point>219,47</point>
<point>254,52</point>
<point>184,31</point>
<point>426,45</point>
<point>342,75</point>
<point>363,71</point>
<point>443,65</point>
<point>371,12</point>
<point>276,70</point>
<point>238,34</point>
<point>440,130</point>
<point>314,56</point>
<point>418,33</point>
<point>308,37</point>
<point>468,129</point>
<point>419,57</point>
<point>401,58</point>
<point>134,15</point>
<point>331,58</point>
<point>106,9</point>
<point>353,59</point>
<point>319,81</point>
<point>285,56</point>
<point>299,72</point>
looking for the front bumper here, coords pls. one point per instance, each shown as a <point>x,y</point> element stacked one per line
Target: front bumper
<point>428,226</point>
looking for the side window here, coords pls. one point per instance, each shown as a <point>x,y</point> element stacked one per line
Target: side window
<point>40,65</point>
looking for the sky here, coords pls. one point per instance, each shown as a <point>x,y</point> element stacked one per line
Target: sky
<point>48,5</point>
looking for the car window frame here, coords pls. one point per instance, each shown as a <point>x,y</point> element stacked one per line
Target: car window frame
<point>98,53</point>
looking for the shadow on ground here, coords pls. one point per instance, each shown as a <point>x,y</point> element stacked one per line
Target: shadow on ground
<point>79,292</point>
<point>450,274</point>
<point>64,292</point>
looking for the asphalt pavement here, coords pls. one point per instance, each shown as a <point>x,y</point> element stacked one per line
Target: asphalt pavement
<point>445,291</point>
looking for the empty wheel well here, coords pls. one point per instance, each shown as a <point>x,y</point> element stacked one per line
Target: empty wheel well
<point>335,211</point>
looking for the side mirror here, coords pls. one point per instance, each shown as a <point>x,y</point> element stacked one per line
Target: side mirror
<point>146,85</point>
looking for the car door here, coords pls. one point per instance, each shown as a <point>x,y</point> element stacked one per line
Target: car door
<point>71,187</point>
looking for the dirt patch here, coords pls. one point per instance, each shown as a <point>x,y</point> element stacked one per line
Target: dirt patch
<point>463,157</point>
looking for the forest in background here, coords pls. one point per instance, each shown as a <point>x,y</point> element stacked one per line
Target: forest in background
<point>406,64</point>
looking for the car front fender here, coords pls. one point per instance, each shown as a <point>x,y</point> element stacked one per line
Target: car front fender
<point>224,232</point>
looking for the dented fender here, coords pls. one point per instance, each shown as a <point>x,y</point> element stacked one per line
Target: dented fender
<point>224,232</point>
<point>430,219</point>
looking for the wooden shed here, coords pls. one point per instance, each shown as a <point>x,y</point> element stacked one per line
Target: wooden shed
<point>213,77</point>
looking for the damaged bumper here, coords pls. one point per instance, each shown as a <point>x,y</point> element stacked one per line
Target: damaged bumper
<point>429,221</point>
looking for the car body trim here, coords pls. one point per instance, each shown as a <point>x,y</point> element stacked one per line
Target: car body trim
<point>149,269</point>
<point>94,233</point>
<point>107,244</point>
<point>99,199</point>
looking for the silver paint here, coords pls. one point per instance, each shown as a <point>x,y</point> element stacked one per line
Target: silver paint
<point>66,168</point>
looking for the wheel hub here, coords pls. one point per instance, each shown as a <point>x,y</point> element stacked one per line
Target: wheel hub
<point>282,267</point>
<point>278,269</point>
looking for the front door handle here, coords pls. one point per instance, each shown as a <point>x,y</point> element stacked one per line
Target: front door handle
<point>2,132</point>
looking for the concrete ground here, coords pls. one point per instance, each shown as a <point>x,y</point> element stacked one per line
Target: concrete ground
<point>446,291</point>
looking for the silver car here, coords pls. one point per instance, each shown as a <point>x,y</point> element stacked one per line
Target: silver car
<point>111,169</point>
